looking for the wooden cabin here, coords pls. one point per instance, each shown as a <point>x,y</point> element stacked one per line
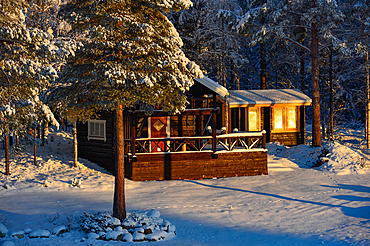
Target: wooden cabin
<point>280,112</point>
<point>192,145</point>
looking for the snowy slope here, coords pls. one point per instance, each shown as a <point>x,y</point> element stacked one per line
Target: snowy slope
<point>293,205</point>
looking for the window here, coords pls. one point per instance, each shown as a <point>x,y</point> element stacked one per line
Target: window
<point>96,130</point>
<point>253,119</point>
<point>237,118</point>
<point>278,118</point>
<point>292,117</point>
<point>285,118</point>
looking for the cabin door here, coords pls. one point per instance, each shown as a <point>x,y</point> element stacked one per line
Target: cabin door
<point>159,128</point>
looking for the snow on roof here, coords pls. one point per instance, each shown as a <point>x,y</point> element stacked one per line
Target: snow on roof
<point>269,96</point>
<point>213,85</point>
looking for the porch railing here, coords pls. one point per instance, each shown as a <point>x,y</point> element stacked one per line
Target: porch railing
<point>228,142</point>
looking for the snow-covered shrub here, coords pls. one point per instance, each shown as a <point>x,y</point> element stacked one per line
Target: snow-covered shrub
<point>40,234</point>
<point>3,230</point>
<point>275,148</point>
<point>76,183</point>
<point>17,234</point>
<point>139,226</point>
<point>99,222</point>
<point>59,230</point>
<point>305,156</point>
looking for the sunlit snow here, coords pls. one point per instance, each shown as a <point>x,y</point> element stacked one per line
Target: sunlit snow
<point>295,204</point>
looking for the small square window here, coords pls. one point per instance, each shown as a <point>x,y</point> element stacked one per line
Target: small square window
<point>96,130</point>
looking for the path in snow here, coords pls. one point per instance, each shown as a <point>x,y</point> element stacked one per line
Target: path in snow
<point>275,164</point>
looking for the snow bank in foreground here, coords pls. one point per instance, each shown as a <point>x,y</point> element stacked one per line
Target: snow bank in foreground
<point>341,159</point>
<point>139,226</point>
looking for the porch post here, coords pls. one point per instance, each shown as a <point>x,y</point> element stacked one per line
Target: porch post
<point>214,99</point>
<point>214,136</point>
<point>180,125</point>
<point>133,134</point>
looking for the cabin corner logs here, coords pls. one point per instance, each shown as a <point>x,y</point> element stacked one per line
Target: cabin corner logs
<point>279,113</point>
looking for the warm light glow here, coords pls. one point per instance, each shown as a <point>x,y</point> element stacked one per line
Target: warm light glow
<point>278,118</point>
<point>253,119</point>
<point>292,117</point>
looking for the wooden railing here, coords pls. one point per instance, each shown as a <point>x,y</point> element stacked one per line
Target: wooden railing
<point>228,142</point>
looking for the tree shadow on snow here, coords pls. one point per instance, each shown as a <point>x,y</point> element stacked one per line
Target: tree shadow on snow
<point>357,188</point>
<point>359,212</point>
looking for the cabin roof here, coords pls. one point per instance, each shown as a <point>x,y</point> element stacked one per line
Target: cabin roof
<point>269,97</point>
<point>214,86</point>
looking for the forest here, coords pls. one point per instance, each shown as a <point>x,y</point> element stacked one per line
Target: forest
<point>73,59</point>
<point>319,47</point>
<point>247,44</point>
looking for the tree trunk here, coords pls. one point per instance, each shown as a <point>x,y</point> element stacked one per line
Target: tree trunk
<point>316,133</point>
<point>263,66</point>
<point>302,71</point>
<point>7,165</point>
<point>75,153</point>
<point>43,134</point>
<point>232,77</point>
<point>46,128</point>
<point>323,123</point>
<point>34,147</point>
<point>17,143</point>
<point>119,205</point>
<point>331,102</point>
<point>367,137</point>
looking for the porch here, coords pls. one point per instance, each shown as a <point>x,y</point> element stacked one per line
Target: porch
<point>197,157</point>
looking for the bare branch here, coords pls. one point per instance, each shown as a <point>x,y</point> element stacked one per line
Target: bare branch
<point>326,46</point>
<point>4,40</point>
<point>298,44</point>
<point>6,76</point>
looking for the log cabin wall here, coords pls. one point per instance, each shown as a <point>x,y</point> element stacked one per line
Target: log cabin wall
<point>97,151</point>
<point>196,165</point>
<point>189,125</point>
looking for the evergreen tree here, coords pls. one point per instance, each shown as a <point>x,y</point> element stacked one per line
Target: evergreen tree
<point>318,19</point>
<point>131,57</point>
<point>28,61</point>
<point>206,29</point>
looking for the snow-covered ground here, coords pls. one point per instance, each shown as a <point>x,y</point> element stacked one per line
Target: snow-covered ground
<point>294,205</point>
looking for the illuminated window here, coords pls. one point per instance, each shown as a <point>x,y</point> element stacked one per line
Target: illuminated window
<point>285,118</point>
<point>278,118</point>
<point>253,120</point>
<point>96,130</point>
<point>292,117</point>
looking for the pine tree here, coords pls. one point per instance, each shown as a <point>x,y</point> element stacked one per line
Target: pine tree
<point>131,57</point>
<point>28,60</point>
<point>318,19</point>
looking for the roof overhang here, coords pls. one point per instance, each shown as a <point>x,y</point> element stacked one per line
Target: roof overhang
<point>268,97</point>
<point>214,86</point>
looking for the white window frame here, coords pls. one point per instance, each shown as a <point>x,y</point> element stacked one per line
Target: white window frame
<point>97,137</point>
